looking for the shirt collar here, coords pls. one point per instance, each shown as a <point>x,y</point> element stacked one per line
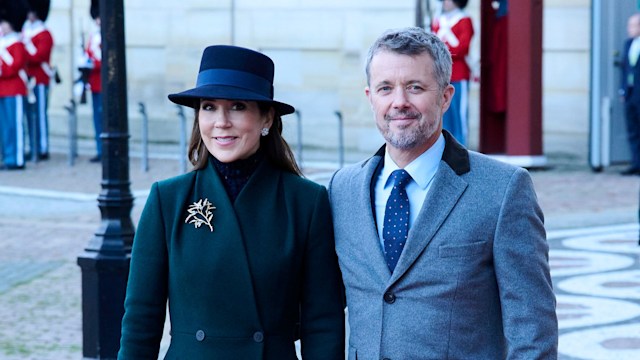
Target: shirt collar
<point>422,169</point>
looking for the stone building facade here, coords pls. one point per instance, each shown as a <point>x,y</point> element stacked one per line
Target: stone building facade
<point>319,48</point>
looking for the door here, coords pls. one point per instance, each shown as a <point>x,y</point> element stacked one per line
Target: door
<point>607,133</point>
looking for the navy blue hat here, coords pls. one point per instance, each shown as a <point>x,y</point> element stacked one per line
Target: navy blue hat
<point>233,73</point>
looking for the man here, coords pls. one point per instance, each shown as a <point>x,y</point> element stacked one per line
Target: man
<point>467,276</point>
<point>39,43</point>
<point>13,89</point>
<point>630,91</point>
<point>455,28</point>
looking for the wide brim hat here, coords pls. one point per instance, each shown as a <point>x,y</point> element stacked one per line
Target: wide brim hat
<point>233,73</point>
<point>14,12</point>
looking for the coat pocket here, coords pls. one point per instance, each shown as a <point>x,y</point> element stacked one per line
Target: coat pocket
<point>462,250</point>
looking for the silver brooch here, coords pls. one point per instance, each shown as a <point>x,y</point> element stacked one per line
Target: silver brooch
<point>200,213</point>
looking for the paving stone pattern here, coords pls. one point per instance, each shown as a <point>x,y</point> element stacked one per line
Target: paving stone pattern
<point>48,213</point>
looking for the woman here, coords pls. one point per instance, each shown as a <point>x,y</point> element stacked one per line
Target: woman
<point>242,247</point>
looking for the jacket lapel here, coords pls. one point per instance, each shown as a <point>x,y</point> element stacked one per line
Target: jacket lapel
<point>446,189</point>
<point>225,246</point>
<point>364,205</point>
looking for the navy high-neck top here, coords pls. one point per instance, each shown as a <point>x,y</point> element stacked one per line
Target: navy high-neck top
<point>236,174</point>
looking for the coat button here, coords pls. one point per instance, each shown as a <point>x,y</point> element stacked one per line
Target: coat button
<point>389,298</point>
<point>258,336</point>
<point>200,335</point>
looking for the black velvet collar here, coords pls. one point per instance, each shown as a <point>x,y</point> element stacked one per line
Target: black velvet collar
<point>455,155</point>
<point>236,174</point>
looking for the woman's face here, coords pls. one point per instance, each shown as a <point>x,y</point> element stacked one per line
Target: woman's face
<point>230,129</point>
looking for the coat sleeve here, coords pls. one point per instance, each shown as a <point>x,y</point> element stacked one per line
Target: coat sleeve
<point>521,260</point>
<point>322,314</point>
<point>17,55</point>
<point>464,33</point>
<point>40,49</point>
<point>146,298</point>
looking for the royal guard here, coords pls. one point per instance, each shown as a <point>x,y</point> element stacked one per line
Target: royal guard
<point>93,52</point>
<point>13,83</point>
<point>39,43</point>
<point>454,28</point>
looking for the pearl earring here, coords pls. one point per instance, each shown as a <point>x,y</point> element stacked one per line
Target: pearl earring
<point>264,131</point>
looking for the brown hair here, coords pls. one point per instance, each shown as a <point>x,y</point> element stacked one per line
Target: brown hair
<point>276,149</point>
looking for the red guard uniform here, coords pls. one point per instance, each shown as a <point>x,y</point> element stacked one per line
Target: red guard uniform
<point>455,29</point>
<point>13,89</point>
<point>39,44</point>
<point>94,54</point>
<point>13,57</point>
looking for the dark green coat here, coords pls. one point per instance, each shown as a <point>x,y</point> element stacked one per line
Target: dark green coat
<point>235,292</point>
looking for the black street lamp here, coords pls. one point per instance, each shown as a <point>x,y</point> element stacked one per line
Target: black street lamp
<point>105,261</point>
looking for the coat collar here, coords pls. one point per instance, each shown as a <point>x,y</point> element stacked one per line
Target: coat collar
<point>455,155</point>
<point>446,189</point>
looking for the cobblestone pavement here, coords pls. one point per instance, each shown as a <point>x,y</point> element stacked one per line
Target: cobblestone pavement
<point>48,213</point>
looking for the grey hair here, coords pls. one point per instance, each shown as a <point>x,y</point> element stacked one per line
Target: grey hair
<point>414,41</point>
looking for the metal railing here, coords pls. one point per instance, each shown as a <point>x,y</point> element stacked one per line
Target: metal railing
<point>183,139</point>
<point>71,109</point>
<point>73,131</point>
<point>340,138</point>
<point>144,138</point>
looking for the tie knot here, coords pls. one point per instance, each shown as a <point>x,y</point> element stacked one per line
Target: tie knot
<point>401,178</point>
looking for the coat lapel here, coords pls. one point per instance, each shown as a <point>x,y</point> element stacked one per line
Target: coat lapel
<point>446,189</point>
<point>364,204</point>
<point>225,246</point>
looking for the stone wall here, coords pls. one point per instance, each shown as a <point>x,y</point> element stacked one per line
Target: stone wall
<point>319,50</point>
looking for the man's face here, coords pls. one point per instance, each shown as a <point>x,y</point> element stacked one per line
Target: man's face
<point>448,5</point>
<point>31,16</point>
<point>5,28</point>
<point>633,26</point>
<point>407,102</point>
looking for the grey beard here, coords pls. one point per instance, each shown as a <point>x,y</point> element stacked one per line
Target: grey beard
<point>409,139</point>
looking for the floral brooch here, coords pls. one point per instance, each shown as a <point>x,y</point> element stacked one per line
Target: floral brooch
<point>200,213</point>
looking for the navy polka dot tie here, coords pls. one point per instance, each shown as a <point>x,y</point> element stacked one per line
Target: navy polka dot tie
<point>396,218</point>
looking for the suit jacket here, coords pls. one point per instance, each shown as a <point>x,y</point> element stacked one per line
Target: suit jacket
<point>235,292</point>
<point>473,279</point>
<point>631,93</point>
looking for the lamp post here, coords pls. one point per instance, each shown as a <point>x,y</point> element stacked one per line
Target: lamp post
<point>105,261</point>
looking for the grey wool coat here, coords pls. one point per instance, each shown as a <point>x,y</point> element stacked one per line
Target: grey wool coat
<point>473,279</point>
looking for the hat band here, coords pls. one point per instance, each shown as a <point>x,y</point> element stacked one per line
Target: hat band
<point>235,78</point>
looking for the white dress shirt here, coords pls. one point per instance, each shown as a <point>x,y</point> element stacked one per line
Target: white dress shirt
<point>634,51</point>
<point>422,171</point>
